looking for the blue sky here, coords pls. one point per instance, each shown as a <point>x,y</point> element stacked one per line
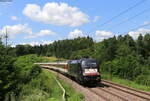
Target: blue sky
<point>28,22</point>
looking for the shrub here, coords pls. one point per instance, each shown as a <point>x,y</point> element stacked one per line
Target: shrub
<point>124,67</point>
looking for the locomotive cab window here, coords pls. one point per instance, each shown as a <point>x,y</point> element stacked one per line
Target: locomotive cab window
<point>89,64</point>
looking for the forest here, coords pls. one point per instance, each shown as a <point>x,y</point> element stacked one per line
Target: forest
<point>120,56</point>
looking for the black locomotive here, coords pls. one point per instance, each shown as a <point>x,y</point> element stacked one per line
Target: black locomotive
<point>84,70</point>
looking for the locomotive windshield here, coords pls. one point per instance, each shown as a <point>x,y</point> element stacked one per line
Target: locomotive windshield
<point>89,63</point>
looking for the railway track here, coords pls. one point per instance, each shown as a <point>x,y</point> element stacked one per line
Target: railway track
<point>144,92</point>
<point>115,92</point>
<point>130,92</point>
<point>108,91</point>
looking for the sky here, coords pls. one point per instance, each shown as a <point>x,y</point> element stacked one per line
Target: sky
<point>37,22</point>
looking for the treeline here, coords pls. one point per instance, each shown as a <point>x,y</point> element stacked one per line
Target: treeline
<point>59,49</point>
<point>120,56</point>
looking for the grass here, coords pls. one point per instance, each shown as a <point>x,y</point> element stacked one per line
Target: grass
<point>71,94</point>
<point>128,83</point>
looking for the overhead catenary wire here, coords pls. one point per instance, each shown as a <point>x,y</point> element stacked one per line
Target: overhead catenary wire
<point>132,17</point>
<point>121,13</point>
<point>138,27</point>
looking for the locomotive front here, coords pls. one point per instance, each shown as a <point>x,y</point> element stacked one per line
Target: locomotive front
<point>90,70</point>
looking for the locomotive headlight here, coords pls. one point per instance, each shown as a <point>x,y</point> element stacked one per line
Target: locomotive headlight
<point>86,70</point>
<point>90,70</point>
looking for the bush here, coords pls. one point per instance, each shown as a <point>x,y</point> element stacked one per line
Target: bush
<point>124,67</point>
<point>128,68</point>
<point>26,69</point>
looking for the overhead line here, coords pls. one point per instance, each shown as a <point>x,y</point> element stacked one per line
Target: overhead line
<point>144,25</point>
<point>121,13</point>
<point>131,17</point>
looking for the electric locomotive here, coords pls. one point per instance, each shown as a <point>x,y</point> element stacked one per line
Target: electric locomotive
<point>85,70</point>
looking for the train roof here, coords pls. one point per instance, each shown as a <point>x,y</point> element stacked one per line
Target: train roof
<point>79,60</point>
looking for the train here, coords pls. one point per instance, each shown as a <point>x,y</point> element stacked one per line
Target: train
<point>85,70</point>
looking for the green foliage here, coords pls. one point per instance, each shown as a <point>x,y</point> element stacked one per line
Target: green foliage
<point>7,74</point>
<point>82,53</point>
<point>35,84</point>
<point>59,49</point>
<point>131,60</point>
<point>146,42</point>
<point>122,57</point>
<point>24,50</point>
<point>119,56</point>
<point>124,67</point>
<point>71,95</point>
<point>25,69</point>
<point>45,88</point>
<point>143,79</point>
<point>123,50</point>
<point>106,50</point>
<point>38,89</point>
<point>125,82</point>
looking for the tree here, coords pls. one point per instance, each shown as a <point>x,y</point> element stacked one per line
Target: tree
<point>7,72</point>
<point>140,46</point>
<point>106,50</point>
<point>147,45</point>
<point>21,50</point>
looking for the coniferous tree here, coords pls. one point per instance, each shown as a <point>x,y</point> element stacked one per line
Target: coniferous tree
<point>7,72</point>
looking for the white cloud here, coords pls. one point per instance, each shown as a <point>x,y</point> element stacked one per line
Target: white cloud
<point>46,32</point>
<point>24,29</point>
<point>40,34</point>
<point>56,14</point>
<point>30,43</point>
<point>76,33</point>
<point>141,31</point>
<point>14,18</point>
<point>96,18</point>
<point>101,35</point>
<point>16,29</point>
